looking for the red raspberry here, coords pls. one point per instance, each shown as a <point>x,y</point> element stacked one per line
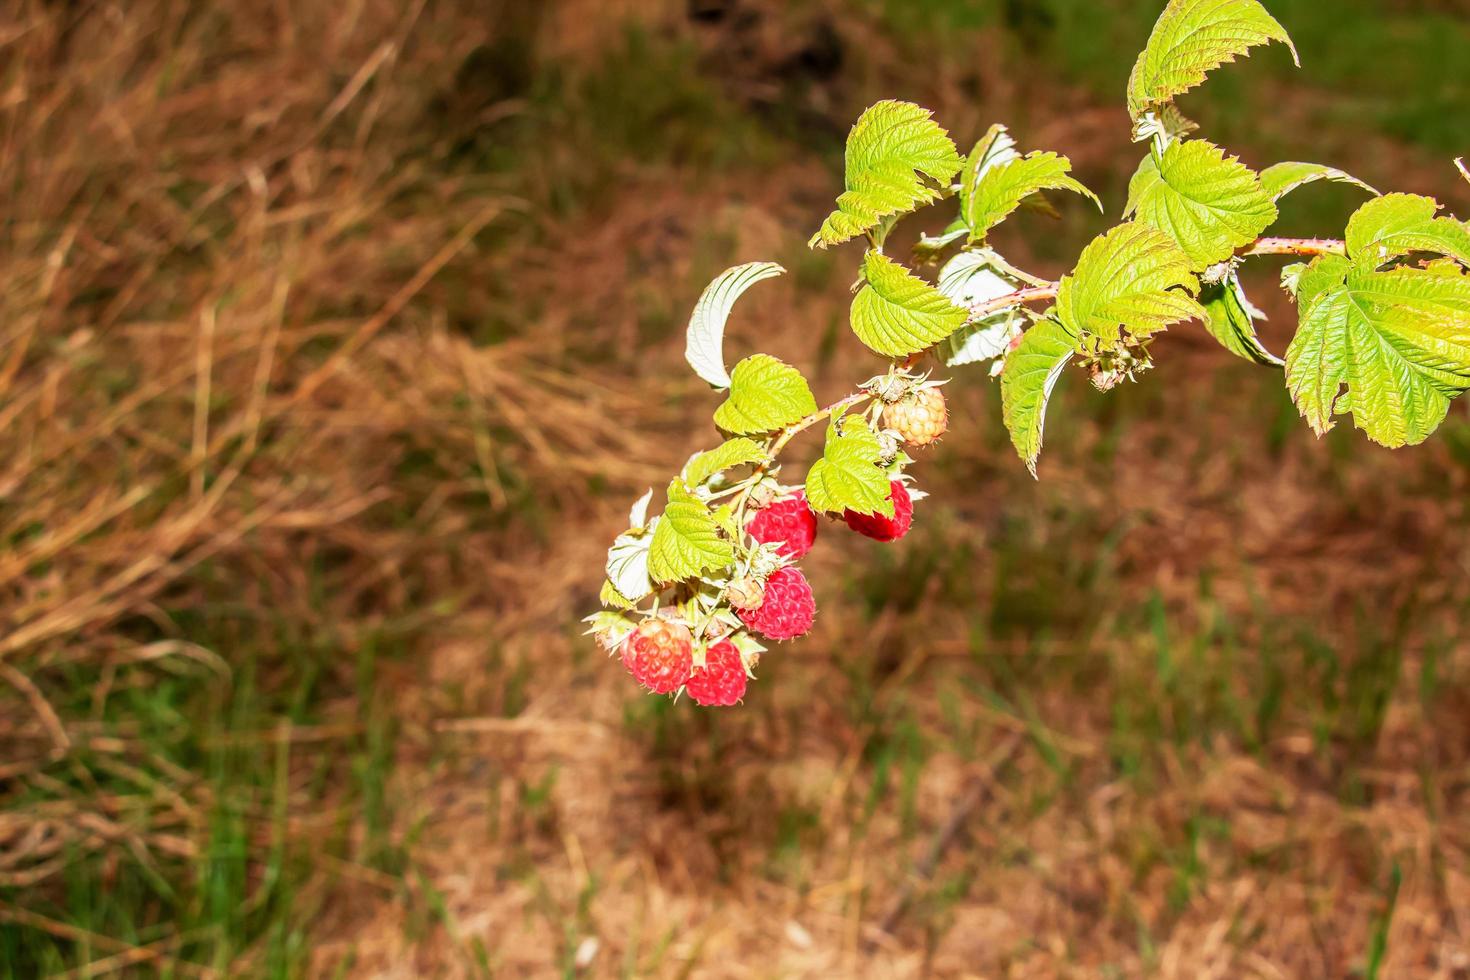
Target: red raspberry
<point>881,528</point>
<point>659,654</point>
<point>790,522</point>
<point>788,609</point>
<point>720,683</point>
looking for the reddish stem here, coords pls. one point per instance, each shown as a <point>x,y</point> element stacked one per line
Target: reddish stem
<point>1297,246</point>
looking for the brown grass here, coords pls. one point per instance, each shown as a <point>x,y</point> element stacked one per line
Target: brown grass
<point>273,352</point>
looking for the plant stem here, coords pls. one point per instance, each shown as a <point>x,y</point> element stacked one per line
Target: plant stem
<point>1297,246</point>
<point>1044,292</point>
<point>795,429</point>
<point>783,437</point>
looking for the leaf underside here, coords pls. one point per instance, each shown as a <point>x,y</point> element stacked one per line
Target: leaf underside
<point>967,279</point>
<point>705,336</point>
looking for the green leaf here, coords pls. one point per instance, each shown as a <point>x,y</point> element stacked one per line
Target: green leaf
<point>897,313</point>
<point>687,541</point>
<point>1030,374</point>
<point>1397,224</point>
<point>890,151</point>
<point>613,599</point>
<point>1192,38</point>
<point>616,624</point>
<point>725,520</point>
<point>1392,348</point>
<point>706,335</point>
<point>849,476</point>
<point>1232,321</point>
<point>989,195</point>
<point>1132,279</point>
<point>766,394</point>
<point>1316,277</point>
<point>736,452</point>
<point>1283,178</point>
<point>1209,203</point>
<point>967,279</point>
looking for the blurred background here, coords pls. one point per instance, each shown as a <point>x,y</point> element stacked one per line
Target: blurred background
<point>335,340</point>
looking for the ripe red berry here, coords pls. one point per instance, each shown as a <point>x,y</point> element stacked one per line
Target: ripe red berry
<point>881,528</point>
<point>789,522</point>
<point>659,654</point>
<point>788,609</point>
<point>919,418</point>
<point>721,682</point>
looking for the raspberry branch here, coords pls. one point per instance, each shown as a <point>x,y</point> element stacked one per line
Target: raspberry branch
<point>720,564</point>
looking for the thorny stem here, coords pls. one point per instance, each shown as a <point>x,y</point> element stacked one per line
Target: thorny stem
<point>1297,246</point>
<point>792,431</point>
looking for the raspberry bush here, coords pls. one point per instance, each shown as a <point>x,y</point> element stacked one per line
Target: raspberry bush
<point>1383,337</point>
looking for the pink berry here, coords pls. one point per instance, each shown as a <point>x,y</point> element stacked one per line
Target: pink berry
<point>721,682</point>
<point>789,522</point>
<point>788,609</point>
<point>659,654</point>
<point>881,528</point>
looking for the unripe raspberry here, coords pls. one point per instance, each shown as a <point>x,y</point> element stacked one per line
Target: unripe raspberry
<point>789,522</point>
<point>788,609</point>
<point>721,682</point>
<point>881,528</point>
<point>659,655</point>
<point>891,388</point>
<point>763,493</point>
<point>746,593</point>
<point>919,418</point>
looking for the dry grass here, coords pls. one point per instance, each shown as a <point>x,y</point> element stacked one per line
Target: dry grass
<point>334,344</point>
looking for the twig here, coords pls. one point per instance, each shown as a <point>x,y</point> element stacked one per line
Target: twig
<point>791,431</point>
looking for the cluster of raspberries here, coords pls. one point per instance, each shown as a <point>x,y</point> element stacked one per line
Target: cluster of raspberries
<point>660,653</point>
